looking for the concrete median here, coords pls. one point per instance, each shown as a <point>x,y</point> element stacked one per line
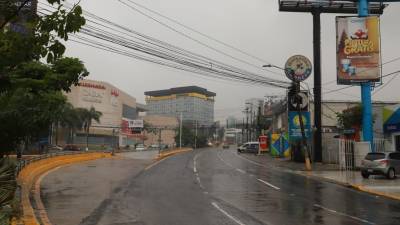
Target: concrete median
<point>29,176</point>
<point>167,153</point>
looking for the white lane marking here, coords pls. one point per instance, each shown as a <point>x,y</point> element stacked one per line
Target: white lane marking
<point>227,214</point>
<point>220,158</point>
<point>250,161</point>
<point>194,166</point>
<point>343,214</point>
<point>269,184</point>
<point>241,171</point>
<point>199,181</point>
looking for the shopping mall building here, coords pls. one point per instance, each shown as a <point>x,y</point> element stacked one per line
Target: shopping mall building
<point>117,108</point>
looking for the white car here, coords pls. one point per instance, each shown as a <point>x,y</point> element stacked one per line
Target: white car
<point>251,147</point>
<point>140,147</point>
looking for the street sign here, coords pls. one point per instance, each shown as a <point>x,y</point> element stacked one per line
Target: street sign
<point>294,125</point>
<point>136,124</point>
<point>304,101</point>
<point>298,68</point>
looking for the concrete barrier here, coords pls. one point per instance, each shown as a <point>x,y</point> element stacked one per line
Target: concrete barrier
<point>29,175</point>
<point>164,154</point>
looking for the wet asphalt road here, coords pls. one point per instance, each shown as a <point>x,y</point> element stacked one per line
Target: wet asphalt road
<point>207,187</point>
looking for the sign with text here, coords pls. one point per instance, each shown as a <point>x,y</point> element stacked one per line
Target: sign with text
<point>298,68</point>
<point>294,125</point>
<point>358,49</point>
<point>136,123</point>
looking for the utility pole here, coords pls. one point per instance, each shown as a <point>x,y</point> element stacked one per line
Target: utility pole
<point>159,140</point>
<point>195,137</point>
<point>180,132</point>
<point>242,130</point>
<point>368,134</point>
<point>247,125</point>
<point>317,86</point>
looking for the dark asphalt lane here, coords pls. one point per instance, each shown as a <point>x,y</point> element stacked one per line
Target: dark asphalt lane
<point>217,187</point>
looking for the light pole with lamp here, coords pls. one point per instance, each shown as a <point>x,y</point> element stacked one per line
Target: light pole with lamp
<point>297,69</point>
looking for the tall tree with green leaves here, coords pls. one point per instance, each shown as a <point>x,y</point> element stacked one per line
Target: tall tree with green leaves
<point>87,116</point>
<point>33,70</point>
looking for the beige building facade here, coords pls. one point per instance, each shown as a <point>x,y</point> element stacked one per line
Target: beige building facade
<point>166,124</point>
<point>116,107</point>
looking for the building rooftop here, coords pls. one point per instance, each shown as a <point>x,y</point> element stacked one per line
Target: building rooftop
<point>180,90</point>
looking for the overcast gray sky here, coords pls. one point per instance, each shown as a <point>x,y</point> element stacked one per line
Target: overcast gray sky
<point>255,26</point>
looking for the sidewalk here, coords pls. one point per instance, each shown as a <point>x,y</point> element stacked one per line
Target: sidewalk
<point>377,185</point>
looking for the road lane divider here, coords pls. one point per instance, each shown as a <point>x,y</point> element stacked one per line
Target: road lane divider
<point>269,184</point>
<point>30,174</point>
<point>167,153</point>
<point>220,158</point>
<point>226,214</point>
<point>241,171</point>
<point>343,214</point>
<point>154,164</point>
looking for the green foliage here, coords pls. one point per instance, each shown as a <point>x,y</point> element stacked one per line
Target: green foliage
<point>31,91</point>
<point>87,116</point>
<point>149,128</point>
<point>7,180</point>
<point>351,117</point>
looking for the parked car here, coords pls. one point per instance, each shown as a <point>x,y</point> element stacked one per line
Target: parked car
<point>71,147</point>
<point>55,148</point>
<point>250,147</point>
<point>140,147</point>
<point>378,163</point>
<point>154,146</point>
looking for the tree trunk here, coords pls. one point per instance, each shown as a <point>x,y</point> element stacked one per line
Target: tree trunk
<point>56,134</point>
<point>87,138</point>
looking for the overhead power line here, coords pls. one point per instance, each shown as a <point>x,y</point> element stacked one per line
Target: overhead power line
<point>203,34</point>
<point>194,39</point>
<point>159,52</point>
<point>350,86</point>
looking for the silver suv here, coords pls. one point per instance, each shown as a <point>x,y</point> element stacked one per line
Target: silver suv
<point>377,163</point>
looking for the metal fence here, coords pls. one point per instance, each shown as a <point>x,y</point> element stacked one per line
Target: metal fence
<point>351,152</point>
<point>346,154</point>
<point>24,162</point>
<point>379,145</point>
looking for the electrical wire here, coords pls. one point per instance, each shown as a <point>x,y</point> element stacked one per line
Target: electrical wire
<point>233,72</point>
<point>205,35</point>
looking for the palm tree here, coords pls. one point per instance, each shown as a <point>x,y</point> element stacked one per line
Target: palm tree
<point>87,116</point>
<point>72,120</point>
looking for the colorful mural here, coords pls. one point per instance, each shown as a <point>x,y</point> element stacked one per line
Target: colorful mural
<point>391,119</point>
<point>280,146</point>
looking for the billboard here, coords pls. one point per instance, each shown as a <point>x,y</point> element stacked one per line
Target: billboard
<point>358,49</point>
<point>294,125</point>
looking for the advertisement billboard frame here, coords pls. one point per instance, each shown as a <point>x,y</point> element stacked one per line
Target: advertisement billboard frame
<point>352,66</point>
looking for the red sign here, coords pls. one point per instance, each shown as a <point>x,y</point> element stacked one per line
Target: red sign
<point>89,85</point>
<point>114,93</point>
<point>263,142</point>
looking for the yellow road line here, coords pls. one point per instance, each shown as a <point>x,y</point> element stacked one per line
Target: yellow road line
<point>32,172</point>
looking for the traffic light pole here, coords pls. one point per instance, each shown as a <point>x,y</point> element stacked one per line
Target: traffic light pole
<point>367,126</point>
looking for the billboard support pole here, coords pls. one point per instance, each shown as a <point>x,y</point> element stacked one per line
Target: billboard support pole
<point>367,126</point>
<point>317,86</point>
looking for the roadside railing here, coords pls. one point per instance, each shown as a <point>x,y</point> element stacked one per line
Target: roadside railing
<point>21,164</point>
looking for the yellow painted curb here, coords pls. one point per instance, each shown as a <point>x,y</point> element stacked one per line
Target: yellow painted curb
<point>31,173</point>
<point>362,188</point>
<point>165,154</point>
